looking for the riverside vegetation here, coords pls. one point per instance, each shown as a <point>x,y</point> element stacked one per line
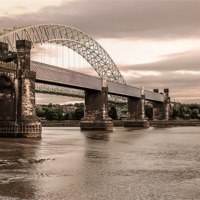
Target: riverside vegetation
<point>116,111</point>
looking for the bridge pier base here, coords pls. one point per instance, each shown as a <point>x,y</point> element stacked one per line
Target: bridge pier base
<point>136,112</point>
<point>161,110</point>
<point>20,129</point>
<point>17,97</point>
<point>96,111</point>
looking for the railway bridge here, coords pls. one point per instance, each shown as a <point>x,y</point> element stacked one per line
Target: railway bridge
<point>18,76</point>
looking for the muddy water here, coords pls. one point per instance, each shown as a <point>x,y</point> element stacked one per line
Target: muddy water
<point>149,164</point>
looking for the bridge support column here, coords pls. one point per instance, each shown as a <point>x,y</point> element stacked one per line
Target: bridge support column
<point>22,81</point>
<point>29,124</point>
<point>136,112</point>
<point>96,110</point>
<point>161,110</point>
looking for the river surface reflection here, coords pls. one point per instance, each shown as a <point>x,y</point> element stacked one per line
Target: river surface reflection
<point>140,164</point>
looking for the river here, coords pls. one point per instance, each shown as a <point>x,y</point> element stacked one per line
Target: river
<point>135,164</point>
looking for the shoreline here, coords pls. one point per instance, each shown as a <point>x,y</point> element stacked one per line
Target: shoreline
<point>118,123</point>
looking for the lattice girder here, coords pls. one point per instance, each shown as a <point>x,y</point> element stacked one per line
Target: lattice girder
<point>73,38</point>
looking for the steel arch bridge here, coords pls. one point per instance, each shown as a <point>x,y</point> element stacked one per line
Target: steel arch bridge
<point>70,37</point>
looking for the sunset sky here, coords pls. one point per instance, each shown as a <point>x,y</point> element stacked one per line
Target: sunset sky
<point>154,43</point>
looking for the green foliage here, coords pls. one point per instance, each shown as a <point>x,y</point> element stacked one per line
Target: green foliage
<point>195,114</point>
<point>54,113</point>
<point>66,116</point>
<point>149,110</point>
<point>194,106</point>
<point>113,112</point>
<point>175,113</point>
<point>39,111</point>
<point>50,112</point>
<point>78,114</point>
<point>186,111</point>
<point>79,105</point>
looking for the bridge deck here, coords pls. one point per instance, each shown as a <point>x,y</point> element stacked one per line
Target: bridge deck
<point>52,75</point>
<point>63,77</point>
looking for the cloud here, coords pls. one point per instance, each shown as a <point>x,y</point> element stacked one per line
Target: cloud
<point>179,72</point>
<point>120,19</point>
<point>128,51</point>
<point>188,60</point>
<point>139,74</point>
<point>187,72</point>
<point>134,20</point>
<point>13,7</point>
<point>182,86</point>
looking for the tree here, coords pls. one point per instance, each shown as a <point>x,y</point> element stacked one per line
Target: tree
<point>78,114</point>
<point>175,113</point>
<point>185,112</point>
<point>149,110</point>
<point>39,111</point>
<point>66,116</point>
<point>79,105</point>
<point>194,106</point>
<point>54,113</point>
<point>113,112</point>
<point>195,114</point>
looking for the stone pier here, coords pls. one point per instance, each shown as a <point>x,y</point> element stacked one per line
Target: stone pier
<point>161,110</point>
<point>136,112</point>
<point>96,110</point>
<point>17,95</point>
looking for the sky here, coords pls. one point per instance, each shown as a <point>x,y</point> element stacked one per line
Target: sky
<point>154,43</point>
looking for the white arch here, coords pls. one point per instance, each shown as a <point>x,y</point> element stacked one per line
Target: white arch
<point>70,37</point>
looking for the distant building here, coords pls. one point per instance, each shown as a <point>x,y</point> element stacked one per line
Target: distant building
<point>68,108</point>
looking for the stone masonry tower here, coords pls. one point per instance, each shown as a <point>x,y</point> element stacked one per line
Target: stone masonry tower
<point>162,110</point>
<point>29,124</point>
<point>136,112</point>
<point>96,110</point>
<point>22,83</point>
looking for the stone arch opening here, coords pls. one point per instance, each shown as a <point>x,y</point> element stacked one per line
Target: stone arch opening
<point>7,98</point>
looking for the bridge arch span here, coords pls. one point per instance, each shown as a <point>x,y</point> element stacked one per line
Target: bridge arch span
<point>68,36</point>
